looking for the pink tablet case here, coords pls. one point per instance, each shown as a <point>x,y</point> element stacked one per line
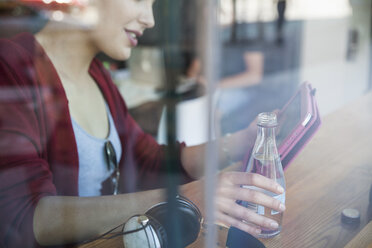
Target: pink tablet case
<point>300,135</point>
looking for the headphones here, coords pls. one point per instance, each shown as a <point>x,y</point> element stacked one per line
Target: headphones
<point>148,230</point>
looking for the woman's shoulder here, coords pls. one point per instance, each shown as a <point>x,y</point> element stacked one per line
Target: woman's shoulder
<point>17,61</point>
<point>17,49</point>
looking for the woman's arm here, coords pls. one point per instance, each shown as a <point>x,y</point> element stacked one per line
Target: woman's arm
<point>231,148</point>
<point>65,219</point>
<point>254,65</point>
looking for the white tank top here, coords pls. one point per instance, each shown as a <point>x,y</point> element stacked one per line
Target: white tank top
<point>93,169</point>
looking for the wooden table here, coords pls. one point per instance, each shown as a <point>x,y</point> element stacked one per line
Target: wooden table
<point>332,173</point>
<point>363,239</point>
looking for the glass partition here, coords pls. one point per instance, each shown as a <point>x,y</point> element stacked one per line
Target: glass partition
<point>112,110</point>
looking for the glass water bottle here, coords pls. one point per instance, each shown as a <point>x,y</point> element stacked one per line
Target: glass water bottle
<point>265,160</point>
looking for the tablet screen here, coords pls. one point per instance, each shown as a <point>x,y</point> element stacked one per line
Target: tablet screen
<point>288,119</point>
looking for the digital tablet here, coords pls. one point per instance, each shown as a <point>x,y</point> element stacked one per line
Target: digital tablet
<point>298,121</point>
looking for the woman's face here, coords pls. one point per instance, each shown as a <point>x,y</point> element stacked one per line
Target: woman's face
<point>120,23</point>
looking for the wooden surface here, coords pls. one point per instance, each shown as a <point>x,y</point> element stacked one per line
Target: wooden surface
<point>363,239</point>
<point>116,242</point>
<point>332,173</point>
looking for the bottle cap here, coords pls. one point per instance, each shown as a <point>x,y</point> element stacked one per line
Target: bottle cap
<point>267,119</point>
<point>350,216</point>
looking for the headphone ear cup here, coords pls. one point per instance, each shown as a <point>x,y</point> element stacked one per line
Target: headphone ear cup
<point>189,217</point>
<point>160,232</point>
<point>142,232</point>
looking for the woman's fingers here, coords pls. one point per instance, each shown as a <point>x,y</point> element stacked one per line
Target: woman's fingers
<point>253,196</point>
<point>241,213</point>
<point>250,179</point>
<point>230,221</point>
<point>230,190</point>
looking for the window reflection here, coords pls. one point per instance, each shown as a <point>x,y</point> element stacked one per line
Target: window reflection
<point>263,50</point>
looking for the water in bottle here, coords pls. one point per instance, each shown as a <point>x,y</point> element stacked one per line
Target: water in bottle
<point>265,160</point>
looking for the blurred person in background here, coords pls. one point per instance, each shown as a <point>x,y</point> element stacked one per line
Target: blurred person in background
<point>280,6</point>
<point>61,121</point>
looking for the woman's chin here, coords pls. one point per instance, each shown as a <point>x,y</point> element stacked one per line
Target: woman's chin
<point>126,53</point>
<point>122,54</point>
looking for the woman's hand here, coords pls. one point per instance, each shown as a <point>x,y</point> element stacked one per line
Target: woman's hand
<point>232,214</point>
<point>229,190</point>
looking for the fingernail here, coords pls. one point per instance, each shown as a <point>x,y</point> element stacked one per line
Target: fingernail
<point>281,207</point>
<point>258,231</point>
<point>274,225</point>
<point>280,189</point>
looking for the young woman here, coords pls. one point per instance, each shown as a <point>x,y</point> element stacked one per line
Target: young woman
<point>60,114</point>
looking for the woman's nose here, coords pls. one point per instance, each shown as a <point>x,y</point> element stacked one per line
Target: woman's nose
<point>147,17</point>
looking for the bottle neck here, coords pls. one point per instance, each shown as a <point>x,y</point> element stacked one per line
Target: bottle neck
<point>265,142</point>
<point>266,133</point>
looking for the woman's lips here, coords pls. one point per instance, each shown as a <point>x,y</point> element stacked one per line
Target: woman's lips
<point>133,36</point>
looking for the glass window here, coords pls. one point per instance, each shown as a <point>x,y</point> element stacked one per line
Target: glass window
<point>138,117</point>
